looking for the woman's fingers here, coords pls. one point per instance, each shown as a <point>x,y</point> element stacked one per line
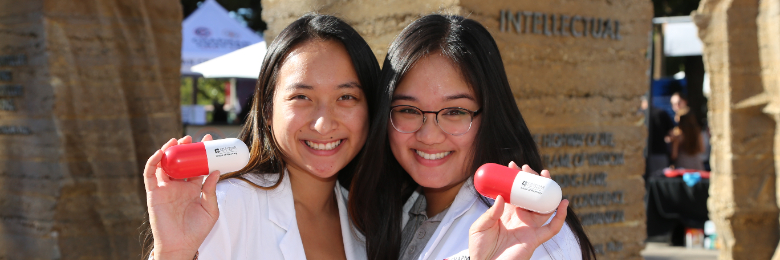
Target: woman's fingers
<point>206,137</point>
<point>528,169</point>
<point>150,180</point>
<point>159,173</point>
<point>185,140</point>
<point>513,165</point>
<point>556,223</point>
<point>490,217</point>
<point>546,174</point>
<point>170,143</point>
<point>209,198</point>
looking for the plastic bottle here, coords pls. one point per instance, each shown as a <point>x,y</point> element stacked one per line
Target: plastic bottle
<point>197,159</point>
<point>519,188</point>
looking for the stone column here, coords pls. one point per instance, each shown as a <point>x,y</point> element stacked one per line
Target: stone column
<point>88,91</point>
<point>769,50</point>
<point>376,20</point>
<point>742,187</point>
<point>577,70</point>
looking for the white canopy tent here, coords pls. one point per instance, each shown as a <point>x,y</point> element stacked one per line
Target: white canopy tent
<point>243,63</point>
<point>680,36</point>
<point>210,32</point>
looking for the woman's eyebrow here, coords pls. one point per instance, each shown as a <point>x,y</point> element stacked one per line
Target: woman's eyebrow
<point>298,86</point>
<point>459,96</point>
<point>404,97</point>
<point>349,85</point>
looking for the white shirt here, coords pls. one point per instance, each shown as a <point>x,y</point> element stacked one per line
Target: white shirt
<point>451,238</point>
<point>260,224</point>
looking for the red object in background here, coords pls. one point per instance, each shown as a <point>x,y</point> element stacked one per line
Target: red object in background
<point>186,161</point>
<point>671,173</point>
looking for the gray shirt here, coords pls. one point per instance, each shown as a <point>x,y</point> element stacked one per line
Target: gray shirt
<point>419,229</point>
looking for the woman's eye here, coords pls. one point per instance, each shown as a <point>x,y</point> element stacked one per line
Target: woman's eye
<point>409,111</point>
<point>302,97</point>
<point>347,97</point>
<point>455,112</point>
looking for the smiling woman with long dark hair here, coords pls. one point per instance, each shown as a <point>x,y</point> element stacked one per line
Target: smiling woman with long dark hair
<point>446,109</point>
<point>309,120</point>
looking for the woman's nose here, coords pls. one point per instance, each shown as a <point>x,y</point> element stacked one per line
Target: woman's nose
<point>324,122</point>
<point>429,132</point>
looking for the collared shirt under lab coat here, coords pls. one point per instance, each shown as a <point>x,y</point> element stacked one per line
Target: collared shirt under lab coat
<point>260,224</point>
<point>451,238</point>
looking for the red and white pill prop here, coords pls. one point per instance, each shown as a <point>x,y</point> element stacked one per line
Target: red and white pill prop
<point>519,188</point>
<point>197,159</point>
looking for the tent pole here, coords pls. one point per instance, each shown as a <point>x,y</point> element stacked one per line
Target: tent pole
<point>194,90</point>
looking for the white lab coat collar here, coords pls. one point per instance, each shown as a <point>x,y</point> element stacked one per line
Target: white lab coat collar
<point>282,213</point>
<point>464,201</point>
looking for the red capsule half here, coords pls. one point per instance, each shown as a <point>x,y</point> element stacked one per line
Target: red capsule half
<point>492,180</point>
<point>185,161</point>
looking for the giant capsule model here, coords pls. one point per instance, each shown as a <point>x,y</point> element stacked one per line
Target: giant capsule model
<point>197,159</point>
<point>519,188</point>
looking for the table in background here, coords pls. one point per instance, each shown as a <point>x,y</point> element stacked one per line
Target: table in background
<point>671,203</point>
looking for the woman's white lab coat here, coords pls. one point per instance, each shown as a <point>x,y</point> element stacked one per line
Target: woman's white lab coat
<point>260,224</point>
<point>451,238</point>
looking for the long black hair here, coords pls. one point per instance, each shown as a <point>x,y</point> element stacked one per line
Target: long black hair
<point>265,155</point>
<point>381,186</point>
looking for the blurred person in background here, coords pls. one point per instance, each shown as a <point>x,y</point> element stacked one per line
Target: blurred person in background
<point>660,127</point>
<point>687,143</point>
<point>679,105</point>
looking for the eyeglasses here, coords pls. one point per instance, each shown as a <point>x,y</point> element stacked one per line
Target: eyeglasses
<point>452,120</point>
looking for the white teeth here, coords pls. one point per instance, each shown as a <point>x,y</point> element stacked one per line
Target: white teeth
<point>435,156</point>
<point>326,147</point>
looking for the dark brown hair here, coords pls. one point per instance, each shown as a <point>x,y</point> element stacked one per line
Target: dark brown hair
<point>381,186</point>
<point>691,133</point>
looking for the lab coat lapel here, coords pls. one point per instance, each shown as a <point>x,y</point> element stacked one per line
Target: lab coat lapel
<point>462,203</point>
<point>353,247</point>
<point>282,213</point>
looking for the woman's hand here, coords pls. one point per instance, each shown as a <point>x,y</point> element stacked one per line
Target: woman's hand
<point>181,211</point>
<point>509,232</point>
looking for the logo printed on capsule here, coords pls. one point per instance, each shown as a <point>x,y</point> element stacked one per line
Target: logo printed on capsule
<point>225,151</point>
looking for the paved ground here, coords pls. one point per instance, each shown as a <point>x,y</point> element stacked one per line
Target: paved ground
<point>662,251</point>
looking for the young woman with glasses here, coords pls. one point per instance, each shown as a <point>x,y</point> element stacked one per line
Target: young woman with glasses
<point>448,109</point>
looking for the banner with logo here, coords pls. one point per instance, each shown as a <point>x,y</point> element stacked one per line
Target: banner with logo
<point>210,32</point>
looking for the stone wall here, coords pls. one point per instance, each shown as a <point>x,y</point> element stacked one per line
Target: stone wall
<point>769,50</point>
<point>377,21</point>
<point>742,187</point>
<point>578,92</point>
<point>88,90</point>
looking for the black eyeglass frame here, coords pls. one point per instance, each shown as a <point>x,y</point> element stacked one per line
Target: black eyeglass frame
<point>472,113</point>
